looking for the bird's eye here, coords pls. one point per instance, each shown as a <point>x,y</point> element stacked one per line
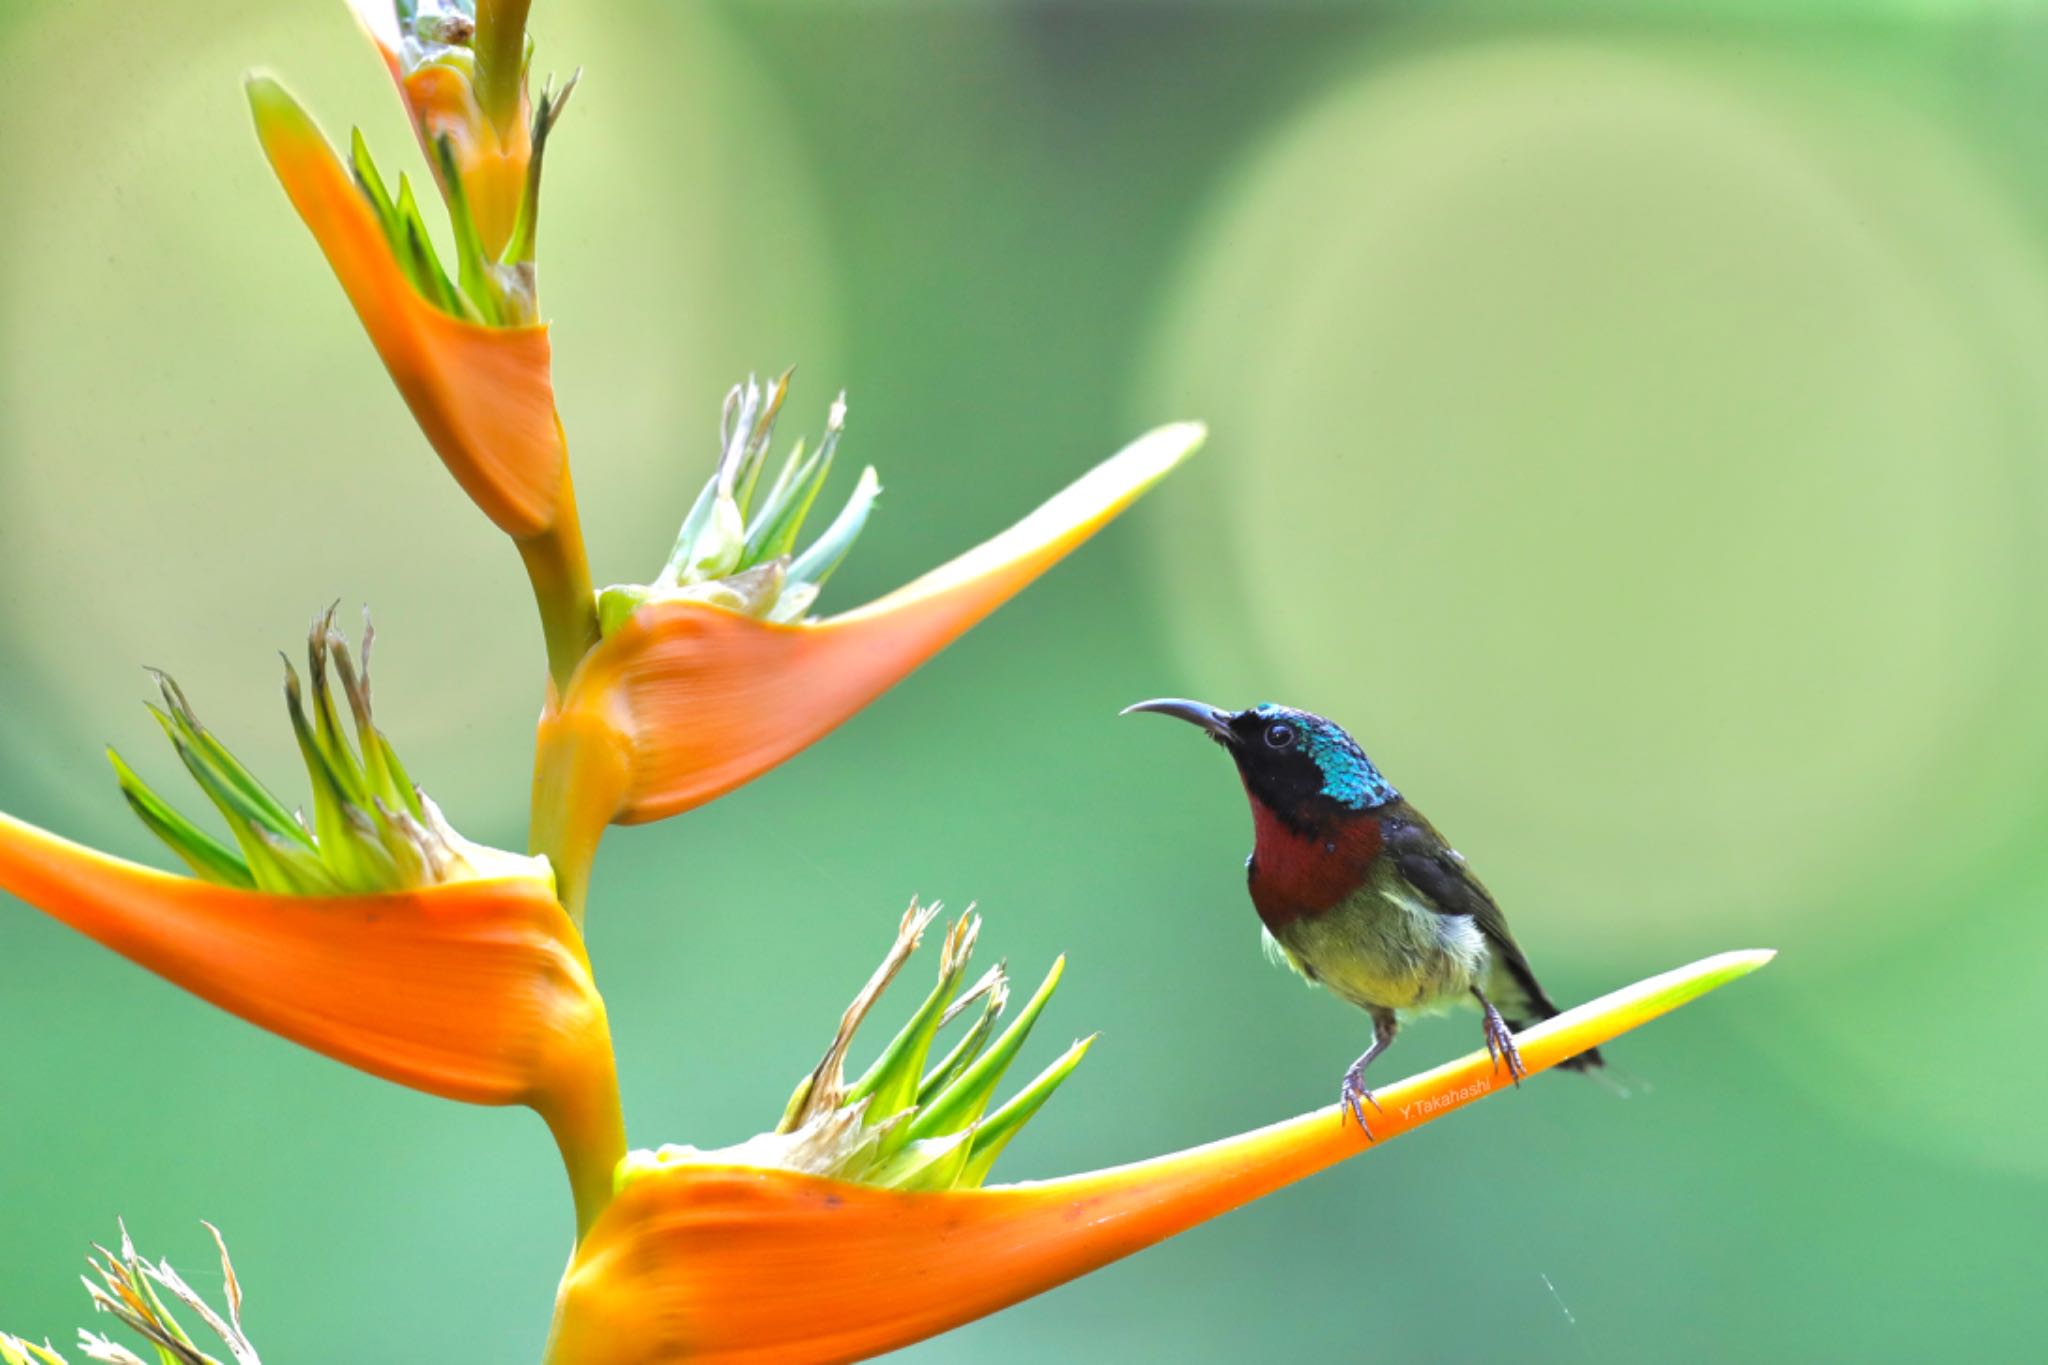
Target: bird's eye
<point>1280,735</point>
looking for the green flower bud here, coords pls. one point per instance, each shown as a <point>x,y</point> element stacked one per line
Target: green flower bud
<point>737,549</point>
<point>906,1123</point>
<point>372,829</point>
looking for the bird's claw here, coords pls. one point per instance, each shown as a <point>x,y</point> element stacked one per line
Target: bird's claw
<point>1352,1097</point>
<point>1500,1046</point>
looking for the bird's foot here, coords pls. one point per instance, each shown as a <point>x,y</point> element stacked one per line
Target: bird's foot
<point>1352,1097</point>
<point>1500,1045</point>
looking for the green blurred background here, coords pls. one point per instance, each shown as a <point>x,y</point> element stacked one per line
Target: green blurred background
<point>1631,419</point>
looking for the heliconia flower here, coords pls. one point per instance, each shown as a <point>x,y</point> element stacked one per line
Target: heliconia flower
<point>466,353</point>
<point>372,934</point>
<point>713,674</point>
<point>741,1262</point>
<point>128,1292</point>
<point>908,1123</point>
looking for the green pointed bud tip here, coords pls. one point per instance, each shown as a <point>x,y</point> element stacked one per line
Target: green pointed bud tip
<point>547,112</point>
<point>995,1132</point>
<point>371,183</point>
<point>737,416</point>
<point>207,857</point>
<point>278,115</point>
<point>762,434</point>
<point>964,1101</point>
<point>829,550</point>
<point>548,107</point>
<point>781,516</point>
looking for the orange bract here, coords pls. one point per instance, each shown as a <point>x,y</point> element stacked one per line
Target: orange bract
<point>484,396</point>
<point>685,701</point>
<point>476,991</point>
<point>737,1264</point>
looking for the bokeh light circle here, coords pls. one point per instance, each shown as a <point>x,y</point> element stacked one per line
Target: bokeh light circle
<point>1636,446</point>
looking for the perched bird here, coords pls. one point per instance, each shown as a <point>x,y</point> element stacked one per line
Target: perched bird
<point>1360,894</point>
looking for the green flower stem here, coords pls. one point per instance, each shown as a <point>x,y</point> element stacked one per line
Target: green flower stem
<point>573,798</point>
<point>500,59</point>
<point>592,1138</point>
<point>571,854</point>
<point>570,811</point>
<point>560,571</point>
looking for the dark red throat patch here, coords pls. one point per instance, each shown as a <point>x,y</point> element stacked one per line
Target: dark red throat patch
<point>1299,873</point>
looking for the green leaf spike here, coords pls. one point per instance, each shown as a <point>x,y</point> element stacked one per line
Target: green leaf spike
<point>964,1101</point>
<point>372,829</point>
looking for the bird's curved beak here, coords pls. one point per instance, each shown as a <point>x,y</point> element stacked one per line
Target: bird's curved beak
<point>1211,718</point>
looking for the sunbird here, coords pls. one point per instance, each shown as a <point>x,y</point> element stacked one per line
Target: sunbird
<point>1359,893</point>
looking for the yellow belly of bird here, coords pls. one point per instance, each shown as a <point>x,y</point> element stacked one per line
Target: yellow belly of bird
<point>1386,949</point>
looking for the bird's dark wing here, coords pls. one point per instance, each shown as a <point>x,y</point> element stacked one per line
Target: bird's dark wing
<point>1439,872</point>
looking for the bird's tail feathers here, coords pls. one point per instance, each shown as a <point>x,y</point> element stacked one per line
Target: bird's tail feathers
<point>1588,1061</point>
<point>1591,1064</point>
<point>1528,1004</point>
<point>1585,1061</point>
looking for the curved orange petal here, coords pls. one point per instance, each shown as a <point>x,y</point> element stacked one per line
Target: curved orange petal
<point>685,702</point>
<point>474,991</point>
<point>736,1264</point>
<point>484,396</point>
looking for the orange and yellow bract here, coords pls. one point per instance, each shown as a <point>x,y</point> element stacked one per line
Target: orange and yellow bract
<point>744,1266</point>
<point>476,991</point>
<point>484,396</point>
<point>685,701</point>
